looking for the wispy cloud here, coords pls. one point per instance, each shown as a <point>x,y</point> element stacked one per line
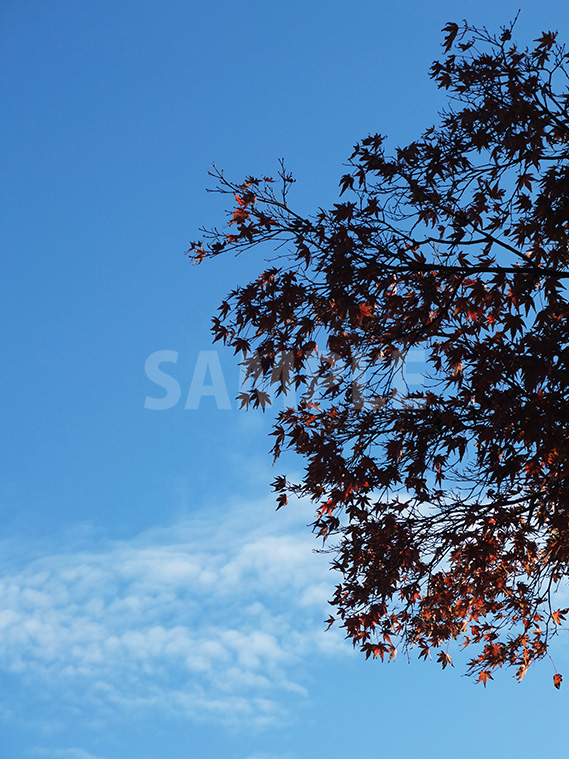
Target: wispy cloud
<point>206,618</point>
<point>63,753</point>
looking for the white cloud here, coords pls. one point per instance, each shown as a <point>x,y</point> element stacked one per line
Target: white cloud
<point>206,618</point>
<point>63,753</point>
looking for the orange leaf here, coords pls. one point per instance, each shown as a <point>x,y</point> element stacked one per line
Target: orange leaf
<point>558,615</point>
<point>484,676</point>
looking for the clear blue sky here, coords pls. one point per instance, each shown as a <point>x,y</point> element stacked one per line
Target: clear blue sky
<point>152,603</point>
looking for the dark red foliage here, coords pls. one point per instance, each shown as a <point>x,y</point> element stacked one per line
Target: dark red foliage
<point>446,507</point>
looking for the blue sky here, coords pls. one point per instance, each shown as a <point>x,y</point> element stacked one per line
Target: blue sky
<point>153,604</point>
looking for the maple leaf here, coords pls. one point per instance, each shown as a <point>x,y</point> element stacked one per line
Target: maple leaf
<point>452,30</point>
<point>557,680</point>
<point>558,615</point>
<point>546,40</point>
<point>346,182</point>
<point>445,659</point>
<point>365,310</point>
<point>260,398</point>
<point>330,621</point>
<point>282,500</point>
<point>245,400</point>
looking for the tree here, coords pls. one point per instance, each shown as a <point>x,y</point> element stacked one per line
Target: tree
<point>446,507</point>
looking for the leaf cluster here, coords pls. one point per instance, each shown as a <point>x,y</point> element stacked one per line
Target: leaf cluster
<point>446,507</point>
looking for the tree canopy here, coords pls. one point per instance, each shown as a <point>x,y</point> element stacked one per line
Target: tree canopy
<point>445,507</point>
